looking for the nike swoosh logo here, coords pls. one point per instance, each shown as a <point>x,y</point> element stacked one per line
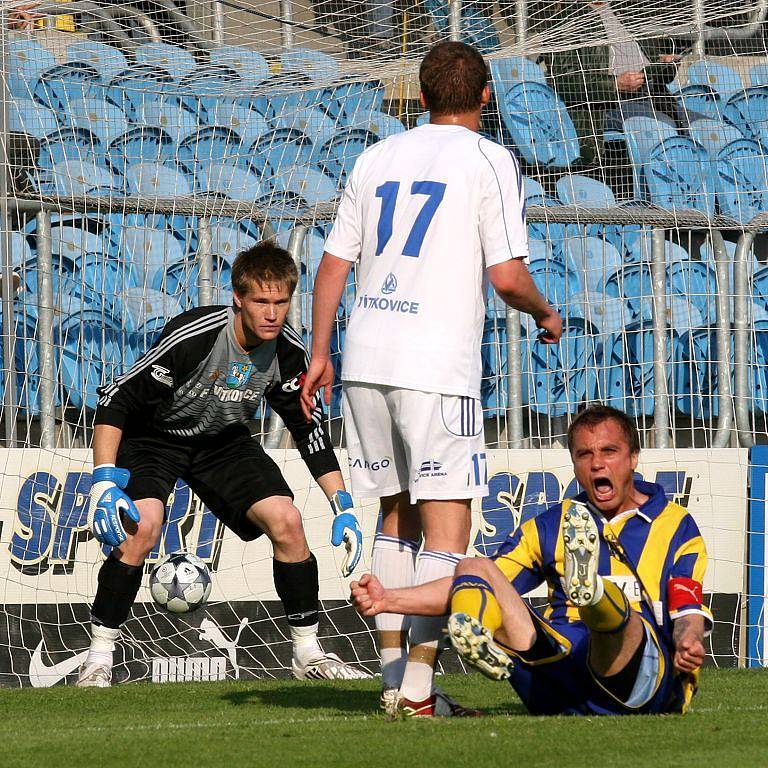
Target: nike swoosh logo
<point>42,675</point>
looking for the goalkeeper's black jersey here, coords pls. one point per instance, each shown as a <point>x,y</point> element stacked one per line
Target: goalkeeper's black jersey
<point>197,381</point>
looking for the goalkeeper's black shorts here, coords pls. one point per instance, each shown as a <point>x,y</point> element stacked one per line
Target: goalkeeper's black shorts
<point>229,473</point>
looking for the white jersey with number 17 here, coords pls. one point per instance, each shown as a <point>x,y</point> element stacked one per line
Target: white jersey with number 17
<point>426,212</point>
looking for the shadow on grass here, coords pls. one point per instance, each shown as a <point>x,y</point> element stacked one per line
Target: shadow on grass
<point>363,702</point>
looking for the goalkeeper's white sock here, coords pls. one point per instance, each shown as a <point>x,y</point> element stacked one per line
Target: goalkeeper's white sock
<point>306,646</point>
<point>426,631</point>
<point>103,641</point>
<point>393,564</point>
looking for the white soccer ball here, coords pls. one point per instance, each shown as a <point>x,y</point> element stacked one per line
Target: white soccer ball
<point>180,582</point>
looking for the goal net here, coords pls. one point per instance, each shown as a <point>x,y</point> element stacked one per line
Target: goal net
<point>144,145</point>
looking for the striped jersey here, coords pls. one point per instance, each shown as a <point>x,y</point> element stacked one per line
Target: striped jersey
<point>660,540</point>
<point>196,381</point>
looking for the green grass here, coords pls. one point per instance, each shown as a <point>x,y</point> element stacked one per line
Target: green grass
<point>290,724</point>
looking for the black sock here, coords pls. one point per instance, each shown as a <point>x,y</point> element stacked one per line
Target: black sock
<point>297,585</point>
<point>118,586</point>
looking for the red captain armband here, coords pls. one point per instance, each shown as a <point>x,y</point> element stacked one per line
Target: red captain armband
<point>682,592</point>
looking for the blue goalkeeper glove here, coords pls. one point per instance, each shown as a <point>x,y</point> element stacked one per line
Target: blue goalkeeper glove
<point>346,530</point>
<point>108,503</point>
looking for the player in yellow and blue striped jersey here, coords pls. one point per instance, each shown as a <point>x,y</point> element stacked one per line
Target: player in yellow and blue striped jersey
<point>623,627</point>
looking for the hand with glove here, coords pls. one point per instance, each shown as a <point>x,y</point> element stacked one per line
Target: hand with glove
<point>346,530</point>
<point>108,503</point>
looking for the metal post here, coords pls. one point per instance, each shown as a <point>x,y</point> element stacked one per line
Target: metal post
<point>10,405</point>
<point>521,20</point>
<point>286,11</point>
<point>454,19</point>
<point>514,380</point>
<point>741,340</point>
<point>204,263</point>
<point>698,17</point>
<point>45,320</point>
<point>295,246</point>
<point>659,287</point>
<point>218,23</point>
<point>722,436</point>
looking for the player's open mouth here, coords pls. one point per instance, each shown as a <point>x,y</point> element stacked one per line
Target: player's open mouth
<point>603,488</point>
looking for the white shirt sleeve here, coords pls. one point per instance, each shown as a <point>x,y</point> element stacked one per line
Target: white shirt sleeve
<point>503,231</point>
<point>346,238</point>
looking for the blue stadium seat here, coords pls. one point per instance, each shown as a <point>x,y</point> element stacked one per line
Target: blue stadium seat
<point>316,65</point>
<point>230,181</point>
<point>533,188</point>
<point>679,176</point>
<point>539,125</point>
<point>642,135</point>
<point>742,190</point>
<point>283,148</point>
<point>748,111</point>
<point>210,144</point>
<point>697,282</point>
<point>228,239</point>
<point>137,86</point>
<point>606,314</point>
<point>27,60</point>
<point>554,281</point>
<point>379,125</point>
<point>250,65</point>
<point>558,378</point>
<point>100,117</point>
<point>477,29</point>
<point>175,61</point>
<point>701,101</point>
<point>641,249</point>
<point>696,380</point>
<point>83,177</point>
<point>758,75</point>
<point>246,121</point>
<point>70,144</point>
<point>593,260</point>
<point>167,114</point>
<point>200,92</point>
<point>711,73</point>
<point>309,184</point>
<point>338,156</point>
<point>493,353</point>
<point>147,253</point>
<point>758,365</point>
<point>575,189</point>
<point>349,103</point>
<point>313,123</point>
<point>627,379</point>
<point>145,311</point>
<point>515,69</point>
<point>140,144</point>
<point>713,135</point>
<point>58,86</point>
<point>26,116</point>
<point>107,60</point>
<point>155,180</point>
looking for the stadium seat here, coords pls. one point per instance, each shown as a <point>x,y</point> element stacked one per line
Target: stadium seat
<point>230,181</point>
<point>27,60</point>
<point>74,178</point>
<point>107,60</point>
<point>147,252</point>
<point>58,86</point>
<point>679,176</point>
<point>246,121</point>
<point>312,123</point>
<point>144,311</point>
<point>154,180</point>
<point>140,144</point>
<point>701,101</point>
<point>379,124</point>
<point>748,111</point>
<point>515,69</point>
<point>696,380</point>
<point>229,238</point>
<point>168,115</point>
<point>758,75</point>
<point>338,156</point>
<point>476,28</point>
<point>309,184</point>
<point>642,135</point>
<point>316,65</point>
<point>251,66</point>
<point>711,73</point>
<point>102,118</point>
<point>742,190</point>
<point>641,249</point>
<point>758,365</point>
<point>554,281</point>
<point>210,144</point>
<point>575,189</point>
<point>26,116</point>
<point>70,144</point>
<point>285,148</point>
<point>696,282</point>
<point>200,92</point>
<point>593,260</point>
<point>538,124</point>
<point>713,135</point>
<point>137,86</point>
<point>350,103</point>
<point>493,353</point>
<point>175,61</point>
<point>533,188</point>
<point>606,314</point>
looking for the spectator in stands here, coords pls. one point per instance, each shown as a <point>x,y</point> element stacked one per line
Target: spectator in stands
<point>602,85</point>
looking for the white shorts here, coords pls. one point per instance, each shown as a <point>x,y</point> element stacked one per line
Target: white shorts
<point>403,439</point>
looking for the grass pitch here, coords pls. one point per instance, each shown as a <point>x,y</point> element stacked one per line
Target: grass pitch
<point>291,724</point>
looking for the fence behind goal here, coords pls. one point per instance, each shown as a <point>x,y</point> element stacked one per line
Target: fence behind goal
<point>142,151</point>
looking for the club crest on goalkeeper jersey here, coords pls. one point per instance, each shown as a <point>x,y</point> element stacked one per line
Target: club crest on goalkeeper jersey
<point>197,381</point>
<point>426,212</point>
<point>660,539</point>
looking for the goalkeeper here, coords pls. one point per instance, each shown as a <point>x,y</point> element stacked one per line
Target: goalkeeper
<point>624,624</point>
<point>182,411</point>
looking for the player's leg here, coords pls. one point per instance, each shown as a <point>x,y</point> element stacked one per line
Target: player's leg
<point>623,653</point>
<point>154,466</point>
<point>378,468</point>
<point>245,489</point>
<point>393,562</point>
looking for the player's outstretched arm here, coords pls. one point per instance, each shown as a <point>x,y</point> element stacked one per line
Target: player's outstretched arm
<point>515,286</point>
<point>329,285</point>
<point>688,637</point>
<point>431,599</point>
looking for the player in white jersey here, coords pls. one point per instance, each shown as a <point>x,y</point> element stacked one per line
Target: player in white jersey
<point>431,215</point>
